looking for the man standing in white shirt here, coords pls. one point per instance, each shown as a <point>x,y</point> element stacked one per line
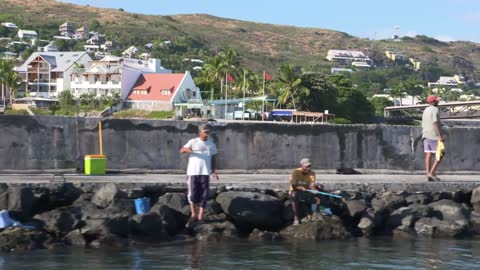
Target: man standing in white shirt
<point>201,164</point>
<point>431,134</point>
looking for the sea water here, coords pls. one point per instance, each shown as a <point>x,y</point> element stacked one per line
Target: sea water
<point>360,253</point>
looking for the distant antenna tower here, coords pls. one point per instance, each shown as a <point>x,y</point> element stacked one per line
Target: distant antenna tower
<point>396,35</point>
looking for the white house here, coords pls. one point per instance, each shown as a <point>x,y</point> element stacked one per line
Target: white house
<point>445,81</point>
<point>130,52</point>
<point>48,48</point>
<point>46,74</point>
<point>10,25</point>
<point>345,57</point>
<point>112,75</point>
<point>27,34</point>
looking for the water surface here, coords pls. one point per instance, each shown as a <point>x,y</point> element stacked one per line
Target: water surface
<point>382,253</point>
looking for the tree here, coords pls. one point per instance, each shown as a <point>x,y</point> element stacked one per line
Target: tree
<point>66,100</point>
<point>352,104</point>
<point>9,78</point>
<point>323,95</point>
<point>397,91</point>
<point>289,86</point>
<point>215,69</point>
<point>252,82</point>
<point>379,103</point>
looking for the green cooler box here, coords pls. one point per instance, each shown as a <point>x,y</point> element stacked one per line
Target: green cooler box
<point>95,164</point>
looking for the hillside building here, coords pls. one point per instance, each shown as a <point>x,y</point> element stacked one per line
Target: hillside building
<point>344,57</point>
<point>112,75</point>
<point>160,92</point>
<point>46,74</point>
<point>66,29</point>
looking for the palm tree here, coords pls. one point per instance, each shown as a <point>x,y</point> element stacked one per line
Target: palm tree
<point>252,83</point>
<point>289,87</point>
<point>215,69</point>
<point>6,73</point>
<point>11,78</point>
<point>398,91</point>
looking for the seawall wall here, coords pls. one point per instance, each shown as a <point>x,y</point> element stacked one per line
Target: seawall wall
<point>48,143</point>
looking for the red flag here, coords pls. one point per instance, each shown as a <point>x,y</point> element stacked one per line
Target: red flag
<point>267,76</point>
<point>230,78</point>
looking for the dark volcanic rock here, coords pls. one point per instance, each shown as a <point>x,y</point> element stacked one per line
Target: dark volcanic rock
<point>258,235</point>
<point>433,227</point>
<point>215,231</point>
<point>60,221</point>
<point>252,210</point>
<point>104,196</point>
<point>323,228</point>
<point>17,239</point>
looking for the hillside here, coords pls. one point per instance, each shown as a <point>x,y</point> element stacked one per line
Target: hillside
<point>259,45</point>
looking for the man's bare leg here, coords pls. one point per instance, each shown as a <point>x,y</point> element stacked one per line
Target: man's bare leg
<point>200,213</point>
<point>428,163</point>
<point>193,210</point>
<point>295,211</point>
<point>434,169</point>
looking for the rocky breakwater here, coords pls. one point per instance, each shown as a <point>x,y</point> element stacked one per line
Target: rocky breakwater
<point>94,215</point>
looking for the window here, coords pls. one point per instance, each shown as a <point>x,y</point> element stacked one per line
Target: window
<point>165,92</point>
<point>194,94</point>
<point>140,92</point>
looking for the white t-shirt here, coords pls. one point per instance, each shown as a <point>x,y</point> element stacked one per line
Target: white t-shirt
<point>200,160</point>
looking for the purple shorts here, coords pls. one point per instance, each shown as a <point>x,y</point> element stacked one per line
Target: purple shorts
<point>430,146</point>
<point>198,189</point>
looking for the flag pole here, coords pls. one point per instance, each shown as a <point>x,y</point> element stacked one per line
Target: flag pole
<point>263,98</point>
<point>243,103</point>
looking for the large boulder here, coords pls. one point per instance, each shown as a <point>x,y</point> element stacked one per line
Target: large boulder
<point>148,227</point>
<point>104,196</point>
<point>252,210</point>
<point>433,227</point>
<point>169,219</point>
<point>451,211</point>
<point>405,217</point>
<point>51,197</point>
<point>102,227</point>
<point>17,239</point>
<point>20,202</point>
<point>60,221</point>
<point>371,222</point>
<point>356,208</point>
<point>387,202</point>
<point>175,201</point>
<point>215,231</point>
<point>321,228</point>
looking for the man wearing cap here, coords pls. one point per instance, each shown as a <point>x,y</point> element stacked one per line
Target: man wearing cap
<point>431,136</point>
<point>301,180</point>
<point>201,164</point>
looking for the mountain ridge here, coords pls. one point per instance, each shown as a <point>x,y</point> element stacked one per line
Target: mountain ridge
<point>260,45</point>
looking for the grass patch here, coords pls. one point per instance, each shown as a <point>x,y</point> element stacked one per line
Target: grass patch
<point>144,114</point>
<point>16,112</point>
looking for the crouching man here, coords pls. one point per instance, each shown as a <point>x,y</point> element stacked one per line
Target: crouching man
<point>302,180</point>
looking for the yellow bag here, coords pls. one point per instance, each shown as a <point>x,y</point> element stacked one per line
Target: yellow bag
<point>440,150</point>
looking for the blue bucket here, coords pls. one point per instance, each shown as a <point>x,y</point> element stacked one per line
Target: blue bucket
<point>142,205</point>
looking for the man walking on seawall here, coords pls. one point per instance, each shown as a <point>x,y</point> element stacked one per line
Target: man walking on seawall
<point>201,164</point>
<point>431,136</point>
<point>301,181</point>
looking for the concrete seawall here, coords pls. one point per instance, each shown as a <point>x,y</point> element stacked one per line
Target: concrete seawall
<point>50,143</point>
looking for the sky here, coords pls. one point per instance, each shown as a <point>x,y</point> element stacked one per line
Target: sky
<point>446,20</point>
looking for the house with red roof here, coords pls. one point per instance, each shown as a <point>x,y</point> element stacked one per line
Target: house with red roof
<point>159,92</point>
